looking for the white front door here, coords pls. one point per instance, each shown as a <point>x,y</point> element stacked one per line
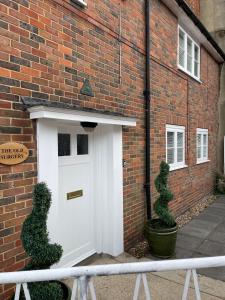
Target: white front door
<point>91,178</point>
<point>76,231</point>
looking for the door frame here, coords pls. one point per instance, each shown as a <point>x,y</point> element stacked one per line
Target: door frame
<point>109,181</point>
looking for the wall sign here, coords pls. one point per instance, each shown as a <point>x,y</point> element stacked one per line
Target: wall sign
<point>13,153</point>
<point>75,194</point>
<point>87,89</point>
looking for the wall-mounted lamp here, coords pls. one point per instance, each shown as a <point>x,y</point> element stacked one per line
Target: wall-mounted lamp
<point>89,126</point>
<point>81,3</point>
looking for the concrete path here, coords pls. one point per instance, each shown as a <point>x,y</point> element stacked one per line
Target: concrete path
<point>164,285</point>
<point>205,236</point>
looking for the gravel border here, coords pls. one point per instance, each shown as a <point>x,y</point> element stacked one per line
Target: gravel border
<point>194,211</point>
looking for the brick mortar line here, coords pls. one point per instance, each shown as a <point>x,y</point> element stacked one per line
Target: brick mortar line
<point>100,25</point>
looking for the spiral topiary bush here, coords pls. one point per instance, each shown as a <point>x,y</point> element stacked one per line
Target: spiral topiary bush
<point>35,241</point>
<point>161,204</point>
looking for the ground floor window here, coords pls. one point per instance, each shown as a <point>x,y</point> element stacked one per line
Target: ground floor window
<point>202,145</point>
<point>175,146</point>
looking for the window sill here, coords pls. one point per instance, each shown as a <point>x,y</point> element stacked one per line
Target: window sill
<point>189,74</point>
<point>202,162</point>
<point>178,167</point>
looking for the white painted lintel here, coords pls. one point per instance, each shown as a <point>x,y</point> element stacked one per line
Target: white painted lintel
<point>69,115</point>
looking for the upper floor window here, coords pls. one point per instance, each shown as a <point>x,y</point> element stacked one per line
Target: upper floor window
<point>202,145</point>
<point>188,54</point>
<point>175,146</point>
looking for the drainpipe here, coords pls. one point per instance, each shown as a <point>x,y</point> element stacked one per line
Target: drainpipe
<point>147,98</point>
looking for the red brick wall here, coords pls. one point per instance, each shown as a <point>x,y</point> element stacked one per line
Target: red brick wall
<point>47,49</point>
<point>180,100</point>
<point>195,6</point>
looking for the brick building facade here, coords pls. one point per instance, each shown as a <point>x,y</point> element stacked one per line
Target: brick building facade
<point>50,47</point>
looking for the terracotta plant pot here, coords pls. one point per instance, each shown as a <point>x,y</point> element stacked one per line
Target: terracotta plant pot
<point>162,241</point>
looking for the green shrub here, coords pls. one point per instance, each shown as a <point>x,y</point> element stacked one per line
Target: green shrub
<point>35,241</point>
<point>161,204</point>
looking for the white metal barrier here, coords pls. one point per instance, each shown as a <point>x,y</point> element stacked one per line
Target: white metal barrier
<point>83,275</point>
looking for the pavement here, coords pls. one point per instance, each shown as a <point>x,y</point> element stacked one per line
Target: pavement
<point>163,285</point>
<point>205,236</point>
<point>202,236</point>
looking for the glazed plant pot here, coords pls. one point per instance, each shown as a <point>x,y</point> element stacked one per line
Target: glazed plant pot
<point>161,240</point>
<point>66,291</point>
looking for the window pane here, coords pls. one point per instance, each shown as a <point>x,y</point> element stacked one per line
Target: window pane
<point>196,71</point>
<point>181,48</point>
<point>189,63</point>
<point>63,144</point>
<point>170,156</point>
<point>199,140</point>
<point>82,144</point>
<point>181,39</point>
<point>170,139</point>
<point>205,151</point>
<point>181,57</point>
<point>189,47</point>
<point>199,152</point>
<point>189,55</point>
<point>196,53</point>
<point>180,139</point>
<point>170,147</point>
<point>180,154</point>
<point>204,139</point>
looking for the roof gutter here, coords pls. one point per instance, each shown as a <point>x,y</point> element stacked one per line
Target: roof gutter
<point>200,26</point>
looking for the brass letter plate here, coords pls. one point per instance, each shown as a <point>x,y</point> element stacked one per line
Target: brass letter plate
<point>75,194</point>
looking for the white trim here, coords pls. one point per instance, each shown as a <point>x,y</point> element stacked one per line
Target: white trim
<point>184,69</point>
<point>68,115</point>
<point>175,167</point>
<point>109,189</point>
<point>108,211</point>
<point>176,129</point>
<point>202,162</point>
<point>202,132</point>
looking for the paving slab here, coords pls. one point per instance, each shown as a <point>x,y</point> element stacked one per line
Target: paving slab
<point>217,235</point>
<point>217,205</point>
<point>183,253</point>
<point>188,242</point>
<point>215,273</point>
<point>202,236</point>
<point>211,248</point>
<point>198,228</point>
<point>163,285</point>
<point>217,211</point>
<point>205,236</point>
<point>220,199</point>
<point>207,216</point>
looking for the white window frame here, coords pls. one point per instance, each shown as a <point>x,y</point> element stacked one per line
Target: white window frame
<point>176,129</point>
<point>202,132</point>
<point>184,68</point>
